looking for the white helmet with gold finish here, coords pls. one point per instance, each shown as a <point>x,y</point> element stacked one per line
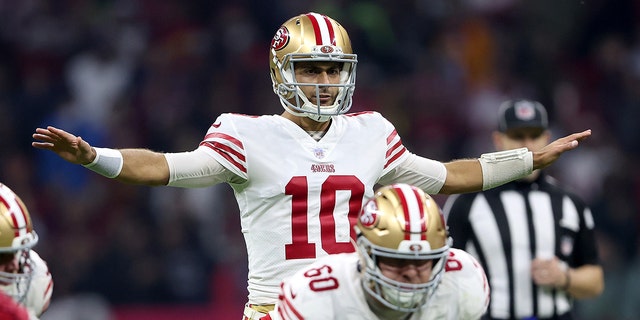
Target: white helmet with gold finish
<point>401,222</point>
<point>311,37</point>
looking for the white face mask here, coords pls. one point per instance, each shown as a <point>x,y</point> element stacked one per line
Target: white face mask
<point>295,101</point>
<point>397,295</point>
<point>16,285</point>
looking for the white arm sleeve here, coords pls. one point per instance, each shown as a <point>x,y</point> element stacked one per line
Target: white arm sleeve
<point>426,174</point>
<point>501,167</point>
<point>195,169</point>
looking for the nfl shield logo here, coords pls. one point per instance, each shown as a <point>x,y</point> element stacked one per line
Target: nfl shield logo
<point>318,152</point>
<point>525,110</point>
<point>566,246</point>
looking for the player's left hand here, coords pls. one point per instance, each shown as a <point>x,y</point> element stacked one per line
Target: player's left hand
<point>551,152</point>
<point>68,146</point>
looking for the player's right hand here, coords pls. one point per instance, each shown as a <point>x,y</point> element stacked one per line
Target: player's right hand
<point>66,145</point>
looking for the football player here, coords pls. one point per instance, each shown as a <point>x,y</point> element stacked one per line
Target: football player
<point>300,178</point>
<point>24,276</point>
<point>403,269</point>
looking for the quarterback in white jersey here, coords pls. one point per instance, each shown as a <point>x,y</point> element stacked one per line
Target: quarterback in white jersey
<point>382,279</point>
<point>24,276</point>
<point>310,191</point>
<point>300,177</point>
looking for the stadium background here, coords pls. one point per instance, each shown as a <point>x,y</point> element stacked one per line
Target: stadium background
<point>155,74</point>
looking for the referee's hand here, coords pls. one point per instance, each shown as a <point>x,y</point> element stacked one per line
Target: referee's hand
<point>549,272</point>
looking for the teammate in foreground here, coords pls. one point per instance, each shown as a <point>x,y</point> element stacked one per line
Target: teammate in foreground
<point>300,178</point>
<point>24,276</point>
<point>403,269</point>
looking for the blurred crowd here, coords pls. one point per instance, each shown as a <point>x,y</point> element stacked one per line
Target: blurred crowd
<point>155,74</point>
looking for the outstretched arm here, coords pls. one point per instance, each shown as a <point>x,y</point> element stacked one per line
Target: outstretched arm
<point>469,175</point>
<point>139,166</point>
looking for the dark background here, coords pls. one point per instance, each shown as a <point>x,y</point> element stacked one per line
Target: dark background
<point>156,74</point>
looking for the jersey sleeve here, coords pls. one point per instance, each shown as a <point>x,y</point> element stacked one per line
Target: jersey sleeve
<point>195,169</point>
<point>327,289</point>
<point>396,152</point>
<point>41,289</point>
<point>298,300</point>
<point>403,166</point>
<point>224,143</point>
<point>469,281</point>
<point>426,174</point>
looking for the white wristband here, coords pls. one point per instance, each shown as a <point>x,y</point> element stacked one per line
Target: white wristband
<point>108,162</point>
<point>501,167</point>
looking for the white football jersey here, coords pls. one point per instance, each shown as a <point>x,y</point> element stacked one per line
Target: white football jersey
<point>299,198</point>
<point>40,290</point>
<point>331,288</point>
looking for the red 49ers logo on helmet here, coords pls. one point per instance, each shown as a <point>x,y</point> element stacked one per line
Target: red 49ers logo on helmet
<point>326,49</point>
<point>281,38</point>
<point>369,214</point>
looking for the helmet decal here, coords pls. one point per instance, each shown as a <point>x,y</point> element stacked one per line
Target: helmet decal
<point>327,49</point>
<point>280,39</point>
<point>368,215</point>
<point>323,29</point>
<point>412,205</point>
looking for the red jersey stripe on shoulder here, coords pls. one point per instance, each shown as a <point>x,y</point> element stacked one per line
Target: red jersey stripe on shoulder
<point>395,157</point>
<point>396,149</point>
<point>397,146</point>
<point>225,152</point>
<point>223,136</point>
<point>392,136</point>
<point>224,148</point>
<point>49,286</point>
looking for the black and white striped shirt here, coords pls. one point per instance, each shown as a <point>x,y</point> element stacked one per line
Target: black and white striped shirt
<point>508,226</point>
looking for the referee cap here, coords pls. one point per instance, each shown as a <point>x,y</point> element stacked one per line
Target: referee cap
<point>522,114</point>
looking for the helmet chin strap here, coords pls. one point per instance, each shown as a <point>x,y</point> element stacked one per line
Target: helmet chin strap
<point>307,103</point>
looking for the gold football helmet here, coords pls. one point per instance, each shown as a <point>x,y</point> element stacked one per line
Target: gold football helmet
<point>401,222</point>
<point>17,237</point>
<point>311,37</point>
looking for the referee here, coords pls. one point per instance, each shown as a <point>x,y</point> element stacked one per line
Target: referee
<point>534,238</point>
